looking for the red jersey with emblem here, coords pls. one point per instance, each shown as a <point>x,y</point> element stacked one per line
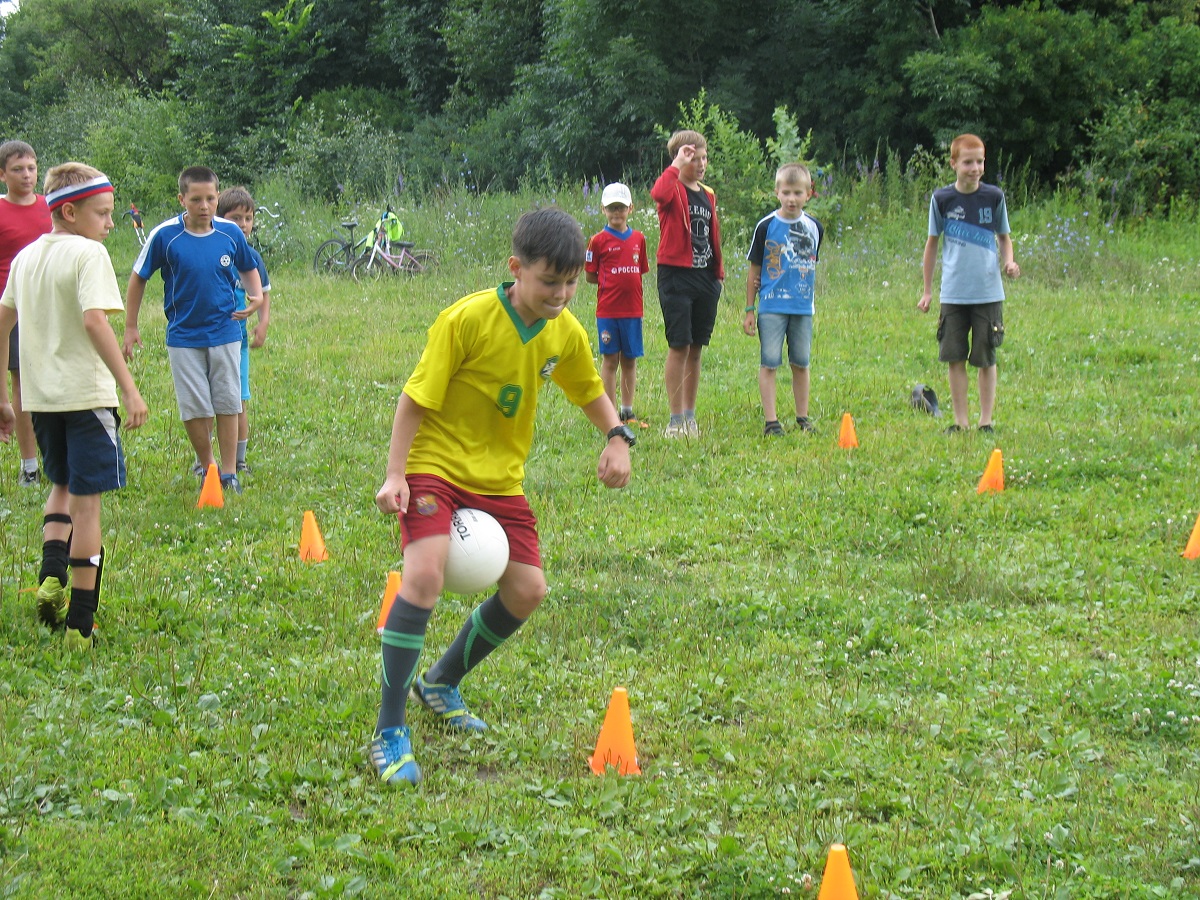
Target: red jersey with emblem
<point>20,226</point>
<point>619,262</point>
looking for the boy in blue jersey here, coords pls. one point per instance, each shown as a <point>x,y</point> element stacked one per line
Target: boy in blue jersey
<point>201,258</point>
<point>236,205</point>
<point>783,260</point>
<point>974,219</point>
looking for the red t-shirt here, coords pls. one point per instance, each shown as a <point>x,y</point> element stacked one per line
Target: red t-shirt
<point>20,226</point>
<point>619,262</point>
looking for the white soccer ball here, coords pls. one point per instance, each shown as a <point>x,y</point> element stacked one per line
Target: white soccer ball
<point>478,552</point>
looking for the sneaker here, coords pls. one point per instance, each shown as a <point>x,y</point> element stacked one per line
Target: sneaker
<point>987,429</point>
<point>198,470</point>
<point>691,428</point>
<point>52,602</point>
<point>773,429</point>
<point>391,755</point>
<point>634,422</point>
<point>447,702</point>
<point>804,423</point>
<point>74,642</point>
<point>953,429</point>
<point>29,479</point>
<point>243,468</point>
<point>675,431</point>
<point>231,483</point>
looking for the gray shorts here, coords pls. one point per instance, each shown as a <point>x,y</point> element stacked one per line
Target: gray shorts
<point>208,380</point>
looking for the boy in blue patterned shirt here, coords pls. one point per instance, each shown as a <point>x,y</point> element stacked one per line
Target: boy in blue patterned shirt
<point>783,260</point>
<point>974,219</point>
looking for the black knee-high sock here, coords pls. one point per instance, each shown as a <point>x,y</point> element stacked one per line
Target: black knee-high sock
<point>55,553</point>
<point>403,639</point>
<point>488,626</point>
<point>81,612</point>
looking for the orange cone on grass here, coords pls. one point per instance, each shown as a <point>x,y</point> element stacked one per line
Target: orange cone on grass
<point>993,475</point>
<point>390,592</point>
<point>847,439</point>
<point>1192,550</point>
<point>312,545</point>
<point>210,492</point>
<point>838,881</point>
<point>615,746</point>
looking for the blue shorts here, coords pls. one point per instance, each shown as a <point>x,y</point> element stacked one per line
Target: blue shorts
<point>245,365</point>
<point>622,336</point>
<point>81,449</point>
<point>772,327</point>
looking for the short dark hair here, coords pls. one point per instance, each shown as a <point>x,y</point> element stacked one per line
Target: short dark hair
<point>10,149</point>
<point>233,198</point>
<point>549,234</point>
<point>197,175</point>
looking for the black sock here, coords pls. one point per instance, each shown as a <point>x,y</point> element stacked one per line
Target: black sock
<point>81,614</point>
<point>489,626</point>
<point>403,639</point>
<point>55,553</point>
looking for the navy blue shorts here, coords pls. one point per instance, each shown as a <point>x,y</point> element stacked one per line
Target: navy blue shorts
<point>81,449</point>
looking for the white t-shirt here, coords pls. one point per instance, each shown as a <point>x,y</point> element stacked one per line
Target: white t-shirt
<point>52,283</point>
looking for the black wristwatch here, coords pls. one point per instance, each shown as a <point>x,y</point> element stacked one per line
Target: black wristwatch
<point>625,433</point>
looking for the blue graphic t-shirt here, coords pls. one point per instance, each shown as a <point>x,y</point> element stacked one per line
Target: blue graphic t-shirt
<point>968,225</point>
<point>787,250</point>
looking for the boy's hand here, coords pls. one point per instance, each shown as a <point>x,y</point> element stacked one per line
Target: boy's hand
<point>252,305</point>
<point>925,301</point>
<point>8,421</point>
<point>393,496</point>
<point>136,410</point>
<point>1012,270</point>
<point>684,156</point>
<point>613,470</point>
<point>132,338</point>
<point>260,336</point>
<point>750,323</point>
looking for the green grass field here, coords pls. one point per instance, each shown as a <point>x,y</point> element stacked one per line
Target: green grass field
<point>982,696</point>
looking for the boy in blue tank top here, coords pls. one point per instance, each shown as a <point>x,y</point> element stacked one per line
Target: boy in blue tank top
<point>974,220</point>
<point>201,258</point>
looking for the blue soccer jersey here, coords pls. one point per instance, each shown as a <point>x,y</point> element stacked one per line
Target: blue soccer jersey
<point>968,225</point>
<point>200,272</point>
<point>787,250</point>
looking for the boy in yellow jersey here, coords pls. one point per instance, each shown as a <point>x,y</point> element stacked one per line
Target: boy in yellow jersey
<point>460,438</point>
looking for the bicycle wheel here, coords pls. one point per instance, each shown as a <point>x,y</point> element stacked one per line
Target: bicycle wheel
<point>370,268</point>
<point>419,262</point>
<point>332,258</point>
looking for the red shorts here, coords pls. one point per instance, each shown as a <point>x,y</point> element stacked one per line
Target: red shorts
<point>432,500</point>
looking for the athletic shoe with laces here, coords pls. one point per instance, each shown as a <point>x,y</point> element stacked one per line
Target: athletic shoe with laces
<point>243,467</point>
<point>231,483</point>
<point>447,703</point>
<point>52,602</point>
<point>391,755</point>
<point>691,428</point>
<point>74,642</point>
<point>29,479</point>
<point>675,431</point>
<point>633,421</point>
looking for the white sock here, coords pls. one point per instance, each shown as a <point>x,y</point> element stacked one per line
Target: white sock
<point>29,465</point>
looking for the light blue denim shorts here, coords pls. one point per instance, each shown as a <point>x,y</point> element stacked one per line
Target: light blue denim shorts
<point>772,328</point>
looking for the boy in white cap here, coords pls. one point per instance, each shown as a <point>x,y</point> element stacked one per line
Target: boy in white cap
<point>616,261</point>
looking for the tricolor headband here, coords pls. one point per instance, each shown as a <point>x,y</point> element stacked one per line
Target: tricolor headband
<point>73,193</point>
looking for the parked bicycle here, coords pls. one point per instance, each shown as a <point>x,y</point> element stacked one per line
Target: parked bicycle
<point>337,256</point>
<point>389,255</point>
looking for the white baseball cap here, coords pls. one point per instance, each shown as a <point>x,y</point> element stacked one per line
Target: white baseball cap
<point>616,193</point>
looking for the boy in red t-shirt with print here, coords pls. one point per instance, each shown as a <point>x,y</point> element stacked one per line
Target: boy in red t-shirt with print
<point>616,261</point>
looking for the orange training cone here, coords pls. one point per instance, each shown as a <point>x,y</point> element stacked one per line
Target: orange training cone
<point>847,438</point>
<point>389,597</point>
<point>312,545</point>
<point>993,475</point>
<point>838,881</point>
<point>210,492</point>
<point>615,747</point>
<point>1192,550</point>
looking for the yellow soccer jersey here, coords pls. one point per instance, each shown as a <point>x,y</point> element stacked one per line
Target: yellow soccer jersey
<point>478,379</point>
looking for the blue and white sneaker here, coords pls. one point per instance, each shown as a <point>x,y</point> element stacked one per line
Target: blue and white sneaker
<point>447,703</point>
<point>391,755</point>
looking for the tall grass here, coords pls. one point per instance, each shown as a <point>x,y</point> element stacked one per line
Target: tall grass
<point>980,695</point>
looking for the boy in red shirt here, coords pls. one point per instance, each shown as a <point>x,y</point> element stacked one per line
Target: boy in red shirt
<point>616,261</point>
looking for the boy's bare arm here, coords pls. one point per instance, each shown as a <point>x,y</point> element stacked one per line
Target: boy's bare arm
<point>614,467</point>
<point>928,262</point>
<point>100,333</point>
<point>1004,245</point>
<point>264,317</point>
<point>133,307</point>
<point>753,283</point>
<point>393,496</point>
<point>252,284</point>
